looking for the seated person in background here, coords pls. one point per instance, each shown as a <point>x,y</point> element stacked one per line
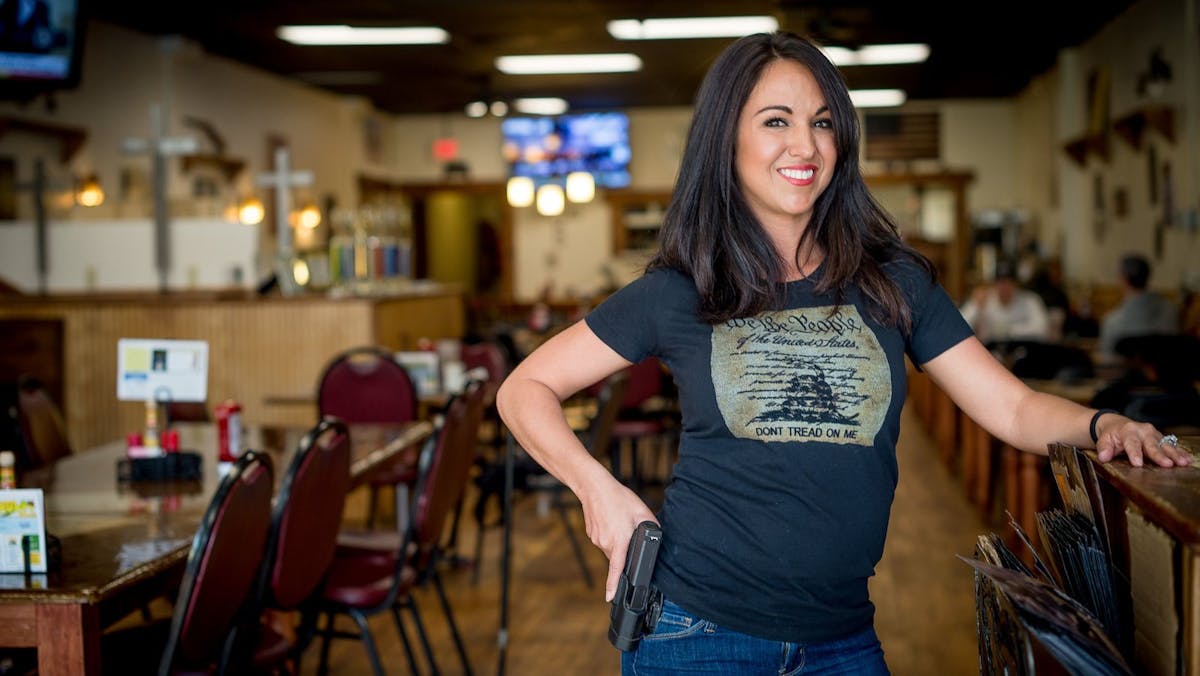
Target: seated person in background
<point>1003,310</point>
<point>1065,319</point>
<point>1141,312</point>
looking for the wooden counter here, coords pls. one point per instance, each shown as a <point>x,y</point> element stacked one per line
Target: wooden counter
<point>258,346</point>
<point>1154,526</point>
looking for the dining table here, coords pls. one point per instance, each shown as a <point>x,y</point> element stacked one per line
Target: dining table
<point>117,544</point>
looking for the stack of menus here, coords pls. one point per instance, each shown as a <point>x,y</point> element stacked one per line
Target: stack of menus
<point>22,531</point>
<point>1065,606</point>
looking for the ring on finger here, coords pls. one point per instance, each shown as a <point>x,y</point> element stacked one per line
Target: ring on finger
<point>1169,440</point>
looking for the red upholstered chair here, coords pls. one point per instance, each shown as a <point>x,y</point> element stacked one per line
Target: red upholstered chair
<point>221,568</point>
<point>489,357</point>
<point>638,420</point>
<point>367,385</point>
<point>366,578</point>
<point>305,522</point>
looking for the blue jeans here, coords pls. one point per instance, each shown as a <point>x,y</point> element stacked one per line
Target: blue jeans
<point>682,643</point>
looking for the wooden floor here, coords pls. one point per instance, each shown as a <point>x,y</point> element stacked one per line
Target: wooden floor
<point>923,593</point>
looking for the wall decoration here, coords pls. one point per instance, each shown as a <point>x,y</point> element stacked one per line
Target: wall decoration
<point>1152,173</point>
<point>1094,140</point>
<point>1098,111</point>
<point>8,189</point>
<point>1154,79</point>
<point>1120,203</point>
<point>372,136</point>
<point>1168,197</point>
<point>1099,218</point>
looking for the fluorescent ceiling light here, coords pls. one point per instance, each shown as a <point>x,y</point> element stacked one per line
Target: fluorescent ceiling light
<point>351,35</point>
<point>875,55</point>
<point>877,98</point>
<point>553,64</point>
<point>691,27</point>
<point>541,106</point>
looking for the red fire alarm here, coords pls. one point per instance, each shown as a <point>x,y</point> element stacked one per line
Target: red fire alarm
<point>445,149</point>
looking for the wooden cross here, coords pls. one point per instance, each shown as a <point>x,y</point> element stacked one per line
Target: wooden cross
<point>282,180</point>
<point>160,147</point>
<point>37,187</point>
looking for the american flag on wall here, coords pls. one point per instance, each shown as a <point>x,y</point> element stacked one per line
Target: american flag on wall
<point>902,136</point>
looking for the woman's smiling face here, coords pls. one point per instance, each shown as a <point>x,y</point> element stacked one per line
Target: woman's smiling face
<point>786,151</point>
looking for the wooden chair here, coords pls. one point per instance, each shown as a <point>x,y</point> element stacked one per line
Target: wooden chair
<point>305,521</point>
<point>221,568</point>
<point>366,385</point>
<point>366,578</point>
<point>43,429</point>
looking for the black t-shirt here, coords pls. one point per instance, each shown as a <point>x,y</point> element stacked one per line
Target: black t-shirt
<point>779,502</point>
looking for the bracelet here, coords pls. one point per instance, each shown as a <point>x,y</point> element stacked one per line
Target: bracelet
<point>1095,418</point>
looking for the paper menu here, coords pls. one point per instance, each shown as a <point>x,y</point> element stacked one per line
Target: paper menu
<point>22,529</point>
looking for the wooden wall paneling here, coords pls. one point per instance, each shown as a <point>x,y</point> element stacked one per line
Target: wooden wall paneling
<point>257,349</point>
<point>399,325</point>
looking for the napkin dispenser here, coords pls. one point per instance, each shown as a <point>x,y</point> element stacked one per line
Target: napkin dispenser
<point>182,466</point>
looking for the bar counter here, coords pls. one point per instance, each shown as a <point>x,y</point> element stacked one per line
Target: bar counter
<point>258,346</point>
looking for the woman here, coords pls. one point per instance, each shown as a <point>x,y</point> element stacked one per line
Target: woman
<point>784,302</point>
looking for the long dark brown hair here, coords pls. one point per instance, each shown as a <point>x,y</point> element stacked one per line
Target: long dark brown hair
<point>711,235</point>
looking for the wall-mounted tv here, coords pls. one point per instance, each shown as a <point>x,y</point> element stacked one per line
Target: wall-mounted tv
<point>546,147</point>
<point>41,44</point>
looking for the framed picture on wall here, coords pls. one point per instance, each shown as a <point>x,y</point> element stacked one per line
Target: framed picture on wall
<point>8,189</point>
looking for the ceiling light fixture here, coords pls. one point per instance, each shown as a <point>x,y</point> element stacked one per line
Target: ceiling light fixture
<point>550,105</point>
<point>520,191</point>
<point>550,200</point>
<point>476,109</point>
<point>480,108</point>
<point>876,55</point>
<point>557,64</point>
<point>581,187</point>
<point>88,192</point>
<point>353,35</point>
<point>877,98</point>
<point>691,27</point>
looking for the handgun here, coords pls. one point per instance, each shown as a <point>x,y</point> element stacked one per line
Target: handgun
<point>636,605</point>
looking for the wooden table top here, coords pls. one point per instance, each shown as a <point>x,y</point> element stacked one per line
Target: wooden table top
<point>115,534</point>
<point>1170,495</point>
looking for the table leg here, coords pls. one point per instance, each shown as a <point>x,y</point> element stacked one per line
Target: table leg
<point>68,639</point>
<point>983,471</point>
<point>1030,492</point>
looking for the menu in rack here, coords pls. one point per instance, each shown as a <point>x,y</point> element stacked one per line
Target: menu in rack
<point>22,531</point>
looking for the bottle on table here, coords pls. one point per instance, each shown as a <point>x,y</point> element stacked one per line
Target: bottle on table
<point>150,436</point>
<point>8,470</point>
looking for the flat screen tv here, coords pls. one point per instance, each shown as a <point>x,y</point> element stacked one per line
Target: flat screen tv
<point>41,44</point>
<point>547,147</point>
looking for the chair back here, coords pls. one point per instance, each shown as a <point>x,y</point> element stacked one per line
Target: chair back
<point>306,517</point>
<point>444,473</point>
<point>489,356</point>
<point>645,381</point>
<point>1171,358</point>
<point>1045,361</point>
<point>1175,409</point>
<point>225,555</point>
<point>366,385</point>
<point>42,426</point>
<point>609,399</point>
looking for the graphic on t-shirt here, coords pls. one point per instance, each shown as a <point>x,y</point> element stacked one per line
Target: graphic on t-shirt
<point>801,375</point>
